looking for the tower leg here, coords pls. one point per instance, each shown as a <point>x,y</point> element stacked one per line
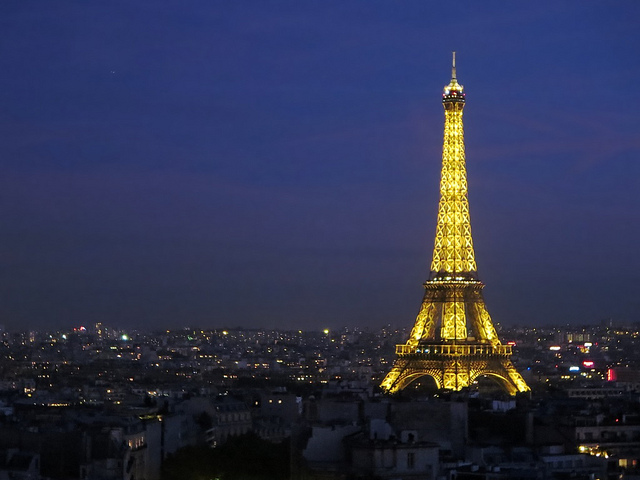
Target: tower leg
<point>453,373</point>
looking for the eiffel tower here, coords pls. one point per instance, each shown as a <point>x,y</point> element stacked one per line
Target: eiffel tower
<point>453,340</point>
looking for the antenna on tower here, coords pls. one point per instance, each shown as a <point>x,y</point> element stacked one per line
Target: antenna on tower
<point>453,67</point>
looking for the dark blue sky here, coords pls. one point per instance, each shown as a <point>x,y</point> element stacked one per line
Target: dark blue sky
<point>276,163</point>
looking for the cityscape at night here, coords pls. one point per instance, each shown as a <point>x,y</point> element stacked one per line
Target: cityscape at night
<point>155,393</point>
<point>219,219</point>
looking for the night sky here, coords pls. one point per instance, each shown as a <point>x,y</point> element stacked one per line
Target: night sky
<point>276,163</point>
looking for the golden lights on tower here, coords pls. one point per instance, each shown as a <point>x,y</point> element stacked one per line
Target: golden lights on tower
<point>453,339</point>
<point>453,248</point>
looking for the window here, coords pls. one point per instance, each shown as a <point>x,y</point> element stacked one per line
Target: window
<point>411,459</point>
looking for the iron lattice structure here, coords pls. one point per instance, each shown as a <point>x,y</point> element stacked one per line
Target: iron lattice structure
<point>453,340</point>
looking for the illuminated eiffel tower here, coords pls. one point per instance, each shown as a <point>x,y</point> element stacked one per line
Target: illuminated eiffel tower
<point>453,340</point>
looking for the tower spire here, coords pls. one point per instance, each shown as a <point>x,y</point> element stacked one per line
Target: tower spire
<point>453,339</point>
<point>453,86</point>
<point>453,67</point>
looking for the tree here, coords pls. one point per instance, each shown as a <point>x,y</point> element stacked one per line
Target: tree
<point>245,457</point>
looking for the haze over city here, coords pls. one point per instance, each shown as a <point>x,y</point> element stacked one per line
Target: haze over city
<point>264,164</point>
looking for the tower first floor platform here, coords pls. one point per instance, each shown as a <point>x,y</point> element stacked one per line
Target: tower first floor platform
<point>454,366</point>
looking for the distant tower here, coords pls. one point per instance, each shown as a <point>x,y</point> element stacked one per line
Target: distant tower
<point>453,340</point>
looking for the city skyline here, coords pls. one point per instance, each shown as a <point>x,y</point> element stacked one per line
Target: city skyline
<point>277,164</point>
